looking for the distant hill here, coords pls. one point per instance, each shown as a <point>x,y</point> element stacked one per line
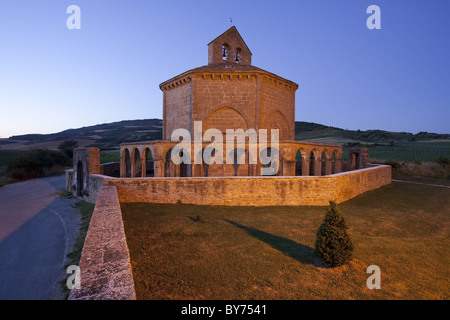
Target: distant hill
<point>321,133</point>
<point>104,136</point>
<point>110,135</point>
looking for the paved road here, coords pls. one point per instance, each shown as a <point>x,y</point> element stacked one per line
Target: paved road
<point>37,230</point>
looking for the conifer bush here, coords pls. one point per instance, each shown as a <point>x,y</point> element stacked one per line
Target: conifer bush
<point>333,245</point>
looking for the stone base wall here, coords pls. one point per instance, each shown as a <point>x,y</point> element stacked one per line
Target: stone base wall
<point>110,169</point>
<point>250,191</point>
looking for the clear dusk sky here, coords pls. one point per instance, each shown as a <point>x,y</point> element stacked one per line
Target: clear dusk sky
<point>396,78</point>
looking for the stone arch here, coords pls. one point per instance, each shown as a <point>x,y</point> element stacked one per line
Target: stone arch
<point>241,155</point>
<point>148,169</point>
<point>225,51</point>
<point>323,163</point>
<point>314,163</point>
<point>237,55</point>
<point>333,162</point>
<point>337,160</point>
<point>172,169</point>
<point>300,158</point>
<point>225,118</point>
<point>211,169</point>
<point>126,163</point>
<point>276,120</point>
<point>136,165</point>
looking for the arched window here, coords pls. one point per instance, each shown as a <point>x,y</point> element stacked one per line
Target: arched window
<point>177,170</point>
<point>149,167</point>
<point>225,51</point>
<point>127,162</point>
<point>333,163</point>
<point>298,163</point>
<point>312,163</point>
<point>323,164</point>
<point>137,163</point>
<point>237,55</point>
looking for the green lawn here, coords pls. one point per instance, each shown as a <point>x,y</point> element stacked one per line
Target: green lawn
<point>204,252</point>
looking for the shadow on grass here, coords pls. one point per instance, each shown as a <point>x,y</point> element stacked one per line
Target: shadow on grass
<point>297,251</point>
<point>193,219</point>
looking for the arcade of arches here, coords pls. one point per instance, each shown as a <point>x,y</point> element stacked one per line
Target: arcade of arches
<point>153,159</point>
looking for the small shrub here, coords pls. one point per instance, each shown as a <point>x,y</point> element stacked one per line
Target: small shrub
<point>443,161</point>
<point>333,245</point>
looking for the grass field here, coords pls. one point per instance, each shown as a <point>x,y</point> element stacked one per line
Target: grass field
<point>202,252</point>
<point>109,156</point>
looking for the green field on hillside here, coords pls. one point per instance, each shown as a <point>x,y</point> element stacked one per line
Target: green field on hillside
<point>410,151</point>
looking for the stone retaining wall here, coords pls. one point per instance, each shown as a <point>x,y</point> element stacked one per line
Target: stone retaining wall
<point>105,262</point>
<point>249,191</point>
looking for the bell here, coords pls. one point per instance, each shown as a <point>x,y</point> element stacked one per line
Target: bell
<point>224,53</point>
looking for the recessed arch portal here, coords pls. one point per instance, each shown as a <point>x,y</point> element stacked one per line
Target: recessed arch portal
<point>148,163</point>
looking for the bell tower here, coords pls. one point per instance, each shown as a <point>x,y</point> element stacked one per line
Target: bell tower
<point>229,47</point>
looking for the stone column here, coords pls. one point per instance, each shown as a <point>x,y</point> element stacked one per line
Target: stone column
<point>143,167</point>
<point>289,168</point>
<point>317,166</point>
<point>305,166</point>
<point>196,170</point>
<point>94,161</point>
<point>158,168</point>
<point>133,165</point>
<point>328,166</point>
<point>338,165</point>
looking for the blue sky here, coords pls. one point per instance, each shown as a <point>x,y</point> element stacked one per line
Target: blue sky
<point>396,78</point>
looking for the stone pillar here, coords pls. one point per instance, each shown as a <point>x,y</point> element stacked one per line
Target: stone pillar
<point>253,169</point>
<point>258,169</point>
<point>86,161</point>
<point>317,166</point>
<point>133,165</point>
<point>358,158</point>
<point>94,161</point>
<point>196,170</point>
<point>158,168</point>
<point>289,168</point>
<point>328,166</point>
<point>143,168</point>
<point>338,165</point>
<point>305,166</point>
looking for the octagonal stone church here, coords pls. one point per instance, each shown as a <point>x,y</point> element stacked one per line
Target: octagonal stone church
<point>231,93</point>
